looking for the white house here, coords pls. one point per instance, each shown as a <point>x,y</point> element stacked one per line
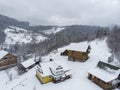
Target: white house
<point>53,71</point>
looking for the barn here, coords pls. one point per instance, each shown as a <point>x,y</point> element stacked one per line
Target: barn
<point>105,75</point>
<point>7,59</point>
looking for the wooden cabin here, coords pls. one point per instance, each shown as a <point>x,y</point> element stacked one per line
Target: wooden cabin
<point>7,59</point>
<point>78,55</point>
<point>105,75</point>
<point>53,71</point>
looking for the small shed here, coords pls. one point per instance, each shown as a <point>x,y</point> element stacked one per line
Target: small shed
<point>53,71</point>
<point>7,59</point>
<point>105,75</point>
<point>28,64</point>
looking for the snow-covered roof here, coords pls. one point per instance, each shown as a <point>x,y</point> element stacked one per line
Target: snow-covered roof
<point>53,65</point>
<point>63,64</point>
<point>82,47</point>
<point>45,71</point>
<point>28,63</point>
<point>3,53</point>
<point>104,75</point>
<point>45,66</point>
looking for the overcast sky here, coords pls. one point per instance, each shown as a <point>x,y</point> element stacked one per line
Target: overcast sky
<point>63,12</point>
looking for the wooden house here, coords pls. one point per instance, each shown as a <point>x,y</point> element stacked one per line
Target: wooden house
<point>105,75</point>
<point>78,55</point>
<point>7,59</point>
<point>53,71</point>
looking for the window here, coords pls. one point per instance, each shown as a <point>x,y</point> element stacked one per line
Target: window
<point>5,58</point>
<point>10,57</point>
<point>59,67</point>
<point>50,76</point>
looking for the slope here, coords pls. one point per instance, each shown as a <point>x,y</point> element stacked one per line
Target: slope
<point>79,79</point>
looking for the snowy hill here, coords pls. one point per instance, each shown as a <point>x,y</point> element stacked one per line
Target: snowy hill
<point>15,35</point>
<point>54,30</point>
<point>18,35</point>
<point>79,81</point>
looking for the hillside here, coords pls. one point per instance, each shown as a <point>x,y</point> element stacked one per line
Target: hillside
<point>20,36</point>
<point>72,31</point>
<point>16,35</point>
<point>79,79</point>
<point>8,21</point>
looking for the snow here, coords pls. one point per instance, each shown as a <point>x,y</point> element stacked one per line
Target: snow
<point>18,35</point>
<point>53,30</point>
<point>45,69</point>
<point>79,81</point>
<point>104,75</point>
<point>3,53</point>
<point>53,64</point>
<point>63,64</point>
<point>77,47</point>
<point>28,63</point>
<point>115,61</point>
<point>58,30</point>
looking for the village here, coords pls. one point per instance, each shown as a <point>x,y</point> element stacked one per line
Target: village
<point>105,75</point>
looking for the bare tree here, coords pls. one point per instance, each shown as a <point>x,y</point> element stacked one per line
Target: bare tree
<point>9,74</point>
<point>34,44</point>
<point>114,41</point>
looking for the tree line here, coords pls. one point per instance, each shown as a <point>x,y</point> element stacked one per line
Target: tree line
<point>64,37</point>
<point>114,41</point>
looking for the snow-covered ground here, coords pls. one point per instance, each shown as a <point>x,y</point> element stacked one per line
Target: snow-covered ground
<point>79,81</point>
<point>53,30</point>
<point>18,35</point>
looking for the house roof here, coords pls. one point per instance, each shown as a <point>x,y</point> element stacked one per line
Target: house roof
<point>73,47</point>
<point>28,63</point>
<point>3,53</point>
<point>63,64</point>
<point>104,65</point>
<point>45,67</point>
<point>105,72</point>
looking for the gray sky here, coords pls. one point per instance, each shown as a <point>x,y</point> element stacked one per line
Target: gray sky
<point>63,12</point>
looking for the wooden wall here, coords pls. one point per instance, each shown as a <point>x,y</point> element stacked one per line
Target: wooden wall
<point>104,85</point>
<point>77,55</point>
<point>7,60</point>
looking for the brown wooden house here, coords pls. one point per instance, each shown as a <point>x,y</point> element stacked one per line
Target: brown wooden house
<point>105,75</point>
<point>7,59</point>
<point>78,55</point>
